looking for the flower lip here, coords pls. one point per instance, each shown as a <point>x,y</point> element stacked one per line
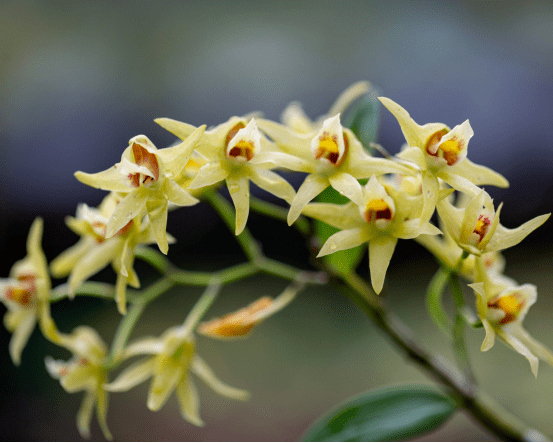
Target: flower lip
<point>145,170</point>
<point>243,141</point>
<point>509,306</point>
<point>23,295</point>
<point>331,144</point>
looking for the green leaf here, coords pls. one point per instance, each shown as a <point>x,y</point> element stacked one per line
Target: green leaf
<point>434,301</point>
<point>363,117</point>
<point>383,415</point>
<point>340,261</point>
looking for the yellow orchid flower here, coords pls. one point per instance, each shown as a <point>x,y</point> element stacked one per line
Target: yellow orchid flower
<point>26,294</point>
<point>94,251</point>
<point>171,359</point>
<point>147,176</point>
<point>332,156</point>
<point>385,215</point>
<point>476,227</point>
<point>84,372</point>
<point>502,310</point>
<point>230,150</point>
<point>440,152</point>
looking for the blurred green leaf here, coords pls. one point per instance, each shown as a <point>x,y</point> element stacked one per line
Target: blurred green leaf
<point>434,301</point>
<point>383,415</point>
<point>341,261</point>
<point>363,117</point>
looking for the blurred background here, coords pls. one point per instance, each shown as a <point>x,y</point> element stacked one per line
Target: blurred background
<point>78,80</point>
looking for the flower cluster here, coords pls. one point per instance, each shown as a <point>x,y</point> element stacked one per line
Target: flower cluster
<point>389,198</point>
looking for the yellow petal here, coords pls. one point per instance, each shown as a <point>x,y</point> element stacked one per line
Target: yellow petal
<point>175,194</point>
<point>479,175</point>
<point>189,401</point>
<point>127,209</point>
<point>174,159</point>
<point>348,186</point>
<point>163,384</point>
<point>381,249</point>
<point>312,186</point>
<point>209,174</point>
<point>111,179</point>
<point>63,264</point>
<point>239,189</point>
<point>101,412</point>
<point>84,416</point>
<point>180,129</point>
<point>505,238</point>
<point>202,370</point>
<point>346,239</point>
<point>272,183</point>
<point>132,376</point>
<point>21,336</point>
<point>157,213</point>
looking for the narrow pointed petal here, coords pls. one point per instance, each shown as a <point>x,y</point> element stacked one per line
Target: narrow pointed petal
<point>94,261</point>
<point>312,186</point>
<point>470,218</point>
<point>505,238</point>
<point>273,183</point>
<point>79,378</point>
<point>348,186</point>
<point>145,346</point>
<point>340,216</point>
<point>179,196</point>
<point>163,384</point>
<point>346,239</point>
<point>413,155</point>
<point>479,175</point>
<point>365,168</point>
<point>489,340</point>
<point>121,293</point>
<point>126,210</point>
<point>415,135</point>
<point>285,138</point>
<point>62,265</point>
<point>180,129</point>
<point>518,346</point>
<point>84,416</point>
<point>294,118</point>
<point>34,249</point>
<point>132,376</point>
<point>189,401</point>
<point>534,346</point>
<point>239,189</point>
<point>208,175</point>
<point>381,250</point>
<point>111,179</point>
<point>430,190</point>
<point>174,159</point>
<point>282,160</point>
<point>157,212</point>
<point>21,336</point>
<point>202,370</point>
<point>459,183</point>
<point>101,413</point>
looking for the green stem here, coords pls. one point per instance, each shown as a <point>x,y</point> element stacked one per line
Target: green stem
<point>434,304</point>
<point>226,212</point>
<point>127,323</point>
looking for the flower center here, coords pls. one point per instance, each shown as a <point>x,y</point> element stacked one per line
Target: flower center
<point>448,150</point>
<point>329,150</point>
<point>145,159</point>
<point>379,212</point>
<point>482,227</point>
<point>243,150</point>
<point>21,295</point>
<point>511,305</point>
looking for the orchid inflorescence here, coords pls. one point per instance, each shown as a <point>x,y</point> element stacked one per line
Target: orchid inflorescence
<point>389,198</point>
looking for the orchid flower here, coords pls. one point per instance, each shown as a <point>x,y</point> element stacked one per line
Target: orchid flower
<point>147,176</point>
<point>84,372</point>
<point>440,152</point>
<point>476,227</point>
<point>385,215</point>
<point>26,294</point>
<point>94,251</point>
<point>229,150</point>
<point>332,157</point>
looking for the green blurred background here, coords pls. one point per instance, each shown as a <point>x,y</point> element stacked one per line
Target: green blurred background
<point>77,80</point>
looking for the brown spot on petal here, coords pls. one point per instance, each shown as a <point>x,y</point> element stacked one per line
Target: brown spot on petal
<point>147,159</point>
<point>433,140</point>
<point>328,149</point>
